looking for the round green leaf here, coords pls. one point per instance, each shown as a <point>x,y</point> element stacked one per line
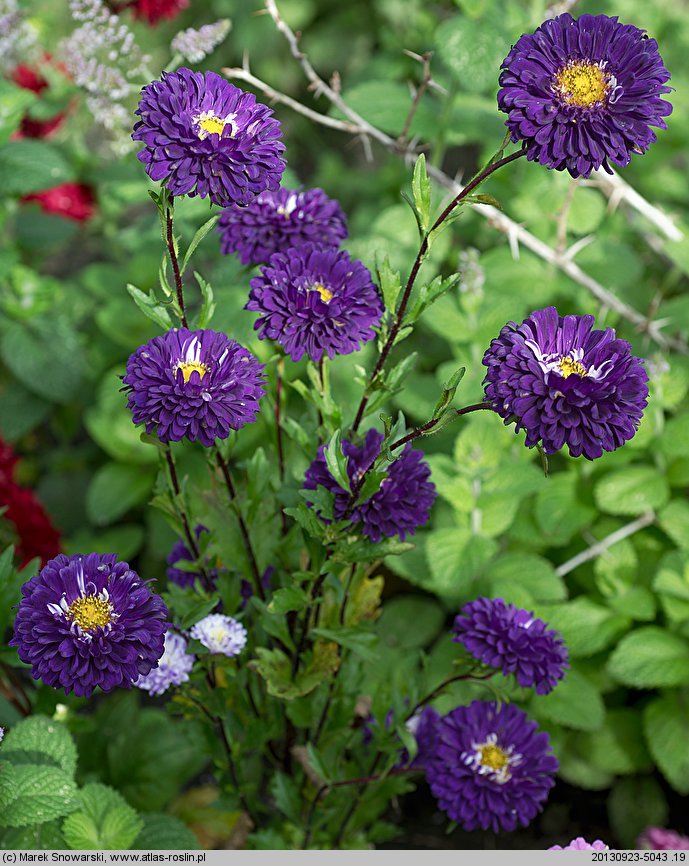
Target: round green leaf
<point>632,490</point>
<point>650,657</point>
<point>666,725</point>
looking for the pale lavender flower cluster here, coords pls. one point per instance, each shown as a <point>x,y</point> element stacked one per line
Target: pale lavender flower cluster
<point>221,635</point>
<point>173,668</point>
<point>193,45</point>
<point>103,58</point>
<point>17,36</point>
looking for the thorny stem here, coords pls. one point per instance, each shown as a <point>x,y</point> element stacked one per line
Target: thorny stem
<point>175,264</point>
<point>423,249</point>
<point>189,535</point>
<point>253,562</point>
<point>414,434</point>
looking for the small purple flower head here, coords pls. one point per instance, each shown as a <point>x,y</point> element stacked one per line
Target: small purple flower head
<point>204,136</point>
<point>89,621</point>
<point>423,726</point>
<point>220,634</point>
<point>504,636</point>
<point>193,385</point>
<point>277,220</point>
<point>173,668</point>
<point>315,300</point>
<point>399,507</point>
<point>659,839</point>
<point>492,768</point>
<point>180,552</point>
<point>585,91</point>
<point>580,844</point>
<point>566,384</point>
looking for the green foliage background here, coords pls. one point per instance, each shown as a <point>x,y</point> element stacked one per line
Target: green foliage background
<point>620,720</point>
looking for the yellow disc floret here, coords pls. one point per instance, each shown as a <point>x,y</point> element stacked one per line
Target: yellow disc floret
<point>582,83</point>
<point>189,367</point>
<point>326,294</point>
<point>493,756</point>
<point>90,612</point>
<point>568,366</point>
<point>211,125</point>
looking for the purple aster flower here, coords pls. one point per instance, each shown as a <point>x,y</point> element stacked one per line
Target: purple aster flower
<point>580,92</point>
<point>565,383</point>
<point>580,844</point>
<point>193,385</point>
<point>504,636</point>
<point>659,839</point>
<point>423,726</point>
<point>492,768</point>
<point>88,621</point>
<point>204,136</point>
<point>173,668</point>
<point>402,503</point>
<point>181,553</point>
<point>315,300</point>
<point>220,634</point>
<point>246,587</point>
<point>277,220</point>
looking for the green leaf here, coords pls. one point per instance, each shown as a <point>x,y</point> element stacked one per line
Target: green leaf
<point>666,725</point>
<point>28,350</point>
<point>14,102</point>
<point>35,837</point>
<point>336,461</point>
<point>358,641</point>
<point>631,491</point>
<point>618,746</point>
<point>390,284</point>
<point>114,489</point>
<point>559,511</point>
<point>30,165</point>
<point>37,793</point>
<point>208,307</point>
<point>585,626</point>
<point>674,520</point>
<point>635,804</point>
<point>421,189</point>
<point>285,793</point>
<point>517,572</point>
<point>196,240</point>
<point>574,703</point>
<point>39,735</point>
<point>150,306</point>
<point>368,551</point>
<point>288,599</point>
<point>650,657</point>
<point>165,833</point>
<point>426,614</point>
<point>449,391</point>
<point>104,822</point>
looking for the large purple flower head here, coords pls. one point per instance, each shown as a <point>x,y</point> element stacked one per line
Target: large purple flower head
<point>492,768</point>
<point>582,92</point>
<point>404,499</point>
<point>88,621</point>
<point>204,136</point>
<point>504,636</point>
<point>277,220</point>
<point>193,385</point>
<point>566,384</point>
<point>181,553</point>
<point>315,300</point>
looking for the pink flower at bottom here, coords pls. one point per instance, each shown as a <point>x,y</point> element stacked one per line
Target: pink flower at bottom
<point>580,844</point>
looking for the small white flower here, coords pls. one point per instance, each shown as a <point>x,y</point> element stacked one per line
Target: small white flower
<point>220,634</point>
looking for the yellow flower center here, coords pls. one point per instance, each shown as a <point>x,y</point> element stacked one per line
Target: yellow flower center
<point>211,125</point>
<point>90,612</point>
<point>189,367</point>
<point>493,756</point>
<point>283,212</point>
<point>582,83</point>
<point>568,366</point>
<point>326,294</point>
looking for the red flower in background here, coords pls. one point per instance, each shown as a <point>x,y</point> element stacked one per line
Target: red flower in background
<point>36,535</point>
<point>31,79</point>
<point>151,11</point>
<point>73,201</point>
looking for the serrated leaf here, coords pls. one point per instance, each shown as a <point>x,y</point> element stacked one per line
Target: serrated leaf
<point>43,736</point>
<point>666,725</point>
<point>150,307</point>
<point>650,657</point>
<point>290,598</point>
<point>358,641</point>
<point>585,626</point>
<point>196,240</point>
<point>41,793</point>
<point>632,491</point>
<point>574,703</point>
<point>104,822</point>
<point>368,551</point>
<point>390,284</point>
<point>165,833</point>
